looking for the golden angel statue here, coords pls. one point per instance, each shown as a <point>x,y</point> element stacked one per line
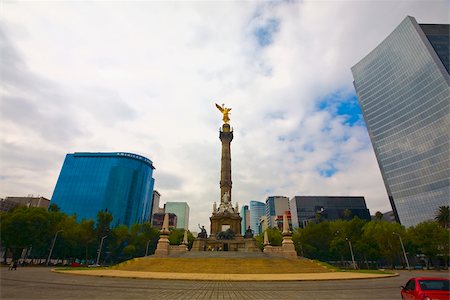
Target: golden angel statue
<point>224,110</point>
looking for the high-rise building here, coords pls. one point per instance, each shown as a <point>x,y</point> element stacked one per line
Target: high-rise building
<point>257,210</point>
<point>158,220</point>
<point>155,204</point>
<point>306,209</point>
<point>275,206</point>
<point>245,215</point>
<point>403,89</point>
<point>119,183</point>
<point>262,224</point>
<point>30,201</point>
<point>181,209</point>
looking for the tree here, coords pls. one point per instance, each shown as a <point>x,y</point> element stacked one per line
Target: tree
<point>275,236</point>
<point>346,214</point>
<point>104,220</point>
<point>142,235</point>
<point>24,227</point>
<point>53,208</point>
<point>314,240</point>
<point>431,240</point>
<point>378,216</point>
<point>86,238</point>
<point>120,239</point>
<point>443,216</point>
<point>385,244</point>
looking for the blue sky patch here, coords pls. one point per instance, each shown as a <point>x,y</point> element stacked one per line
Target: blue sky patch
<point>343,104</point>
<point>264,34</point>
<point>327,170</point>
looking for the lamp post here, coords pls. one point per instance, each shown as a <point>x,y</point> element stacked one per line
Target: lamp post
<point>351,251</point>
<point>53,245</point>
<point>100,249</point>
<point>146,247</point>
<point>403,248</point>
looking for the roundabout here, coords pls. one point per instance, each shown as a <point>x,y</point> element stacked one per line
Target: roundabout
<point>225,266</point>
<point>41,283</point>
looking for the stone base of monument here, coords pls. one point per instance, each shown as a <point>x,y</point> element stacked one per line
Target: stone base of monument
<point>177,249</point>
<point>273,250</point>
<point>237,244</point>
<point>287,248</point>
<point>162,248</point>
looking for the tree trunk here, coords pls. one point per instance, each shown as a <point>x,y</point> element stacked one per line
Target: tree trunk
<point>367,263</point>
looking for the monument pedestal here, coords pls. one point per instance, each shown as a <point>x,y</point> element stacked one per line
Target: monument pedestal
<point>162,249</point>
<point>288,246</point>
<point>238,243</point>
<point>225,220</point>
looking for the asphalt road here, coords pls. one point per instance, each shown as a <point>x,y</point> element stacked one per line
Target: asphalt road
<point>41,283</point>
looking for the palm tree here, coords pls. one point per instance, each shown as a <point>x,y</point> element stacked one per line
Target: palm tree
<point>443,216</point>
<point>378,215</point>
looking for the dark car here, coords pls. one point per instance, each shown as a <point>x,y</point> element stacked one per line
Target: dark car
<point>426,288</point>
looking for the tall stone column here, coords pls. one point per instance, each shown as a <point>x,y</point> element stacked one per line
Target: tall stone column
<point>226,136</point>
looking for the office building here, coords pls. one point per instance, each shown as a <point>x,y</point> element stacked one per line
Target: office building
<point>306,209</point>
<point>181,209</point>
<point>257,210</point>
<point>262,224</point>
<point>275,206</point>
<point>155,204</point>
<point>158,220</point>
<point>403,89</point>
<point>11,202</point>
<point>280,219</point>
<point>388,217</point>
<point>245,215</point>
<point>119,183</point>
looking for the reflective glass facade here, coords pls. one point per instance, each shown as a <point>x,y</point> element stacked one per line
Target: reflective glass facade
<point>245,215</point>
<point>120,183</point>
<point>257,210</point>
<point>181,209</point>
<point>403,90</point>
<point>304,208</point>
<point>275,206</point>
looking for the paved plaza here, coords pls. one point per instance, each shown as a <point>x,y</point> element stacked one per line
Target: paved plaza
<point>41,283</point>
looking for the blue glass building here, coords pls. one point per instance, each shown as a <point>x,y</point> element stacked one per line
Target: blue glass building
<point>120,183</point>
<point>403,89</point>
<point>305,208</point>
<point>245,215</point>
<point>275,206</point>
<point>257,210</point>
<point>181,210</point>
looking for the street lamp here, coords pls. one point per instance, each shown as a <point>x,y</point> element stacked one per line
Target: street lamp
<point>100,249</point>
<point>403,248</point>
<point>351,251</point>
<point>146,247</point>
<point>53,245</point>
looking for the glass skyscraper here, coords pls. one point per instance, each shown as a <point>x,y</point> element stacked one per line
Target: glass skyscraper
<point>257,210</point>
<point>305,208</point>
<point>181,209</point>
<point>119,183</point>
<point>403,89</point>
<point>275,206</point>
<point>245,215</point>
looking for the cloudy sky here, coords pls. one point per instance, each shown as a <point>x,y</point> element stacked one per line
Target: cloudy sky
<point>143,77</point>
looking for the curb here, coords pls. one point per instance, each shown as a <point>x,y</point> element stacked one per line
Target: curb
<point>227,277</point>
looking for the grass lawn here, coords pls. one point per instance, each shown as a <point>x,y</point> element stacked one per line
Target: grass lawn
<point>274,265</point>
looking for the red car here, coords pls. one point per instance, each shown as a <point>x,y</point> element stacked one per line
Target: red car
<point>426,288</point>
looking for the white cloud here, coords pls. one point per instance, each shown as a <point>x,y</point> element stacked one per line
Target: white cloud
<point>143,77</point>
